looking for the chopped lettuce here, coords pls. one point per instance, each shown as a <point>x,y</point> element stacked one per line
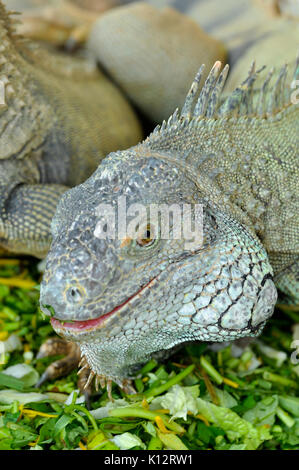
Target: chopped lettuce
<point>9,396</point>
<point>179,401</point>
<point>234,426</point>
<point>279,356</point>
<point>127,441</point>
<point>25,372</point>
<point>264,411</point>
<point>290,404</point>
<point>12,343</point>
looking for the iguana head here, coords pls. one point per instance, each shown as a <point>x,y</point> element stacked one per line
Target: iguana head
<point>127,296</point>
<point>124,296</point>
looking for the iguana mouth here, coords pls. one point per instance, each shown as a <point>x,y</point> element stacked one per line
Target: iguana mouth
<point>96,323</point>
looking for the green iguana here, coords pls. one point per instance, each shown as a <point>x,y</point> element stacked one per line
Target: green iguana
<point>58,119</point>
<point>123,299</point>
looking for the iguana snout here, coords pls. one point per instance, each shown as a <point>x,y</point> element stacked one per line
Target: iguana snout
<point>74,283</point>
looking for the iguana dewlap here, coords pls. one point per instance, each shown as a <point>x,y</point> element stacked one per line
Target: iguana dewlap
<point>58,119</point>
<point>124,299</point>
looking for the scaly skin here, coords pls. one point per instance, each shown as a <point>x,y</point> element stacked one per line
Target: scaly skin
<point>59,121</point>
<point>238,158</point>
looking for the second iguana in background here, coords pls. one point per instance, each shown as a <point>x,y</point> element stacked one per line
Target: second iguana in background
<point>126,299</point>
<point>58,119</point>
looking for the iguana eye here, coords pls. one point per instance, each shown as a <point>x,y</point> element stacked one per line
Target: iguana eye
<point>147,237</point>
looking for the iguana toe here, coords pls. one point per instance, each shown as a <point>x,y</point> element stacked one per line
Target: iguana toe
<point>61,367</point>
<point>88,377</point>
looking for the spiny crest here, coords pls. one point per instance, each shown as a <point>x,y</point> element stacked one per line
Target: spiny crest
<point>245,100</point>
<point>7,22</point>
<point>12,77</point>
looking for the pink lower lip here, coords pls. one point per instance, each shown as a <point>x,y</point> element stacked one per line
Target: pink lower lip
<point>82,325</point>
<point>96,322</point>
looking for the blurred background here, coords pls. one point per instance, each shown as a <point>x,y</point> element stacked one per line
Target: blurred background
<point>238,23</point>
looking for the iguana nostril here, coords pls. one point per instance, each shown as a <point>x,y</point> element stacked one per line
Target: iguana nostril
<point>74,295</point>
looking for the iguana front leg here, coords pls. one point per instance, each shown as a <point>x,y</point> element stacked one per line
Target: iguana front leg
<point>26,216</point>
<point>57,346</point>
<point>71,359</point>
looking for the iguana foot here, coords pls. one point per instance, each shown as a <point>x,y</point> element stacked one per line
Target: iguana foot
<point>67,22</point>
<point>61,367</point>
<point>126,385</point>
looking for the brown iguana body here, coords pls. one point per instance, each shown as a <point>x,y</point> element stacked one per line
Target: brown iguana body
<point>60,119</point>
<point>59,21</point>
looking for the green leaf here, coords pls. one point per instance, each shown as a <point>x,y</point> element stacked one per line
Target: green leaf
<point>224,397</point>
<point>290,404</point>
<point>9,396</point>
<point>11,382</point>
<point>149,428</point>
<point>6,444</point>
<point>24,372</point>
<point>207,434</point>
<point>61,423</point>
<point>264,412</point>
<point>21,434</point>
<point>47,431</point>
<point>98,441</point>
<point>4,433</point>
<point>171,441</point>
<point>234,426</point>
<point>74,434</point>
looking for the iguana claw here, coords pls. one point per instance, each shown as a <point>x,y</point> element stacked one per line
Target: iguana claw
<point>64,366</point>
<point>61,367</point>
<point>126,385</point>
